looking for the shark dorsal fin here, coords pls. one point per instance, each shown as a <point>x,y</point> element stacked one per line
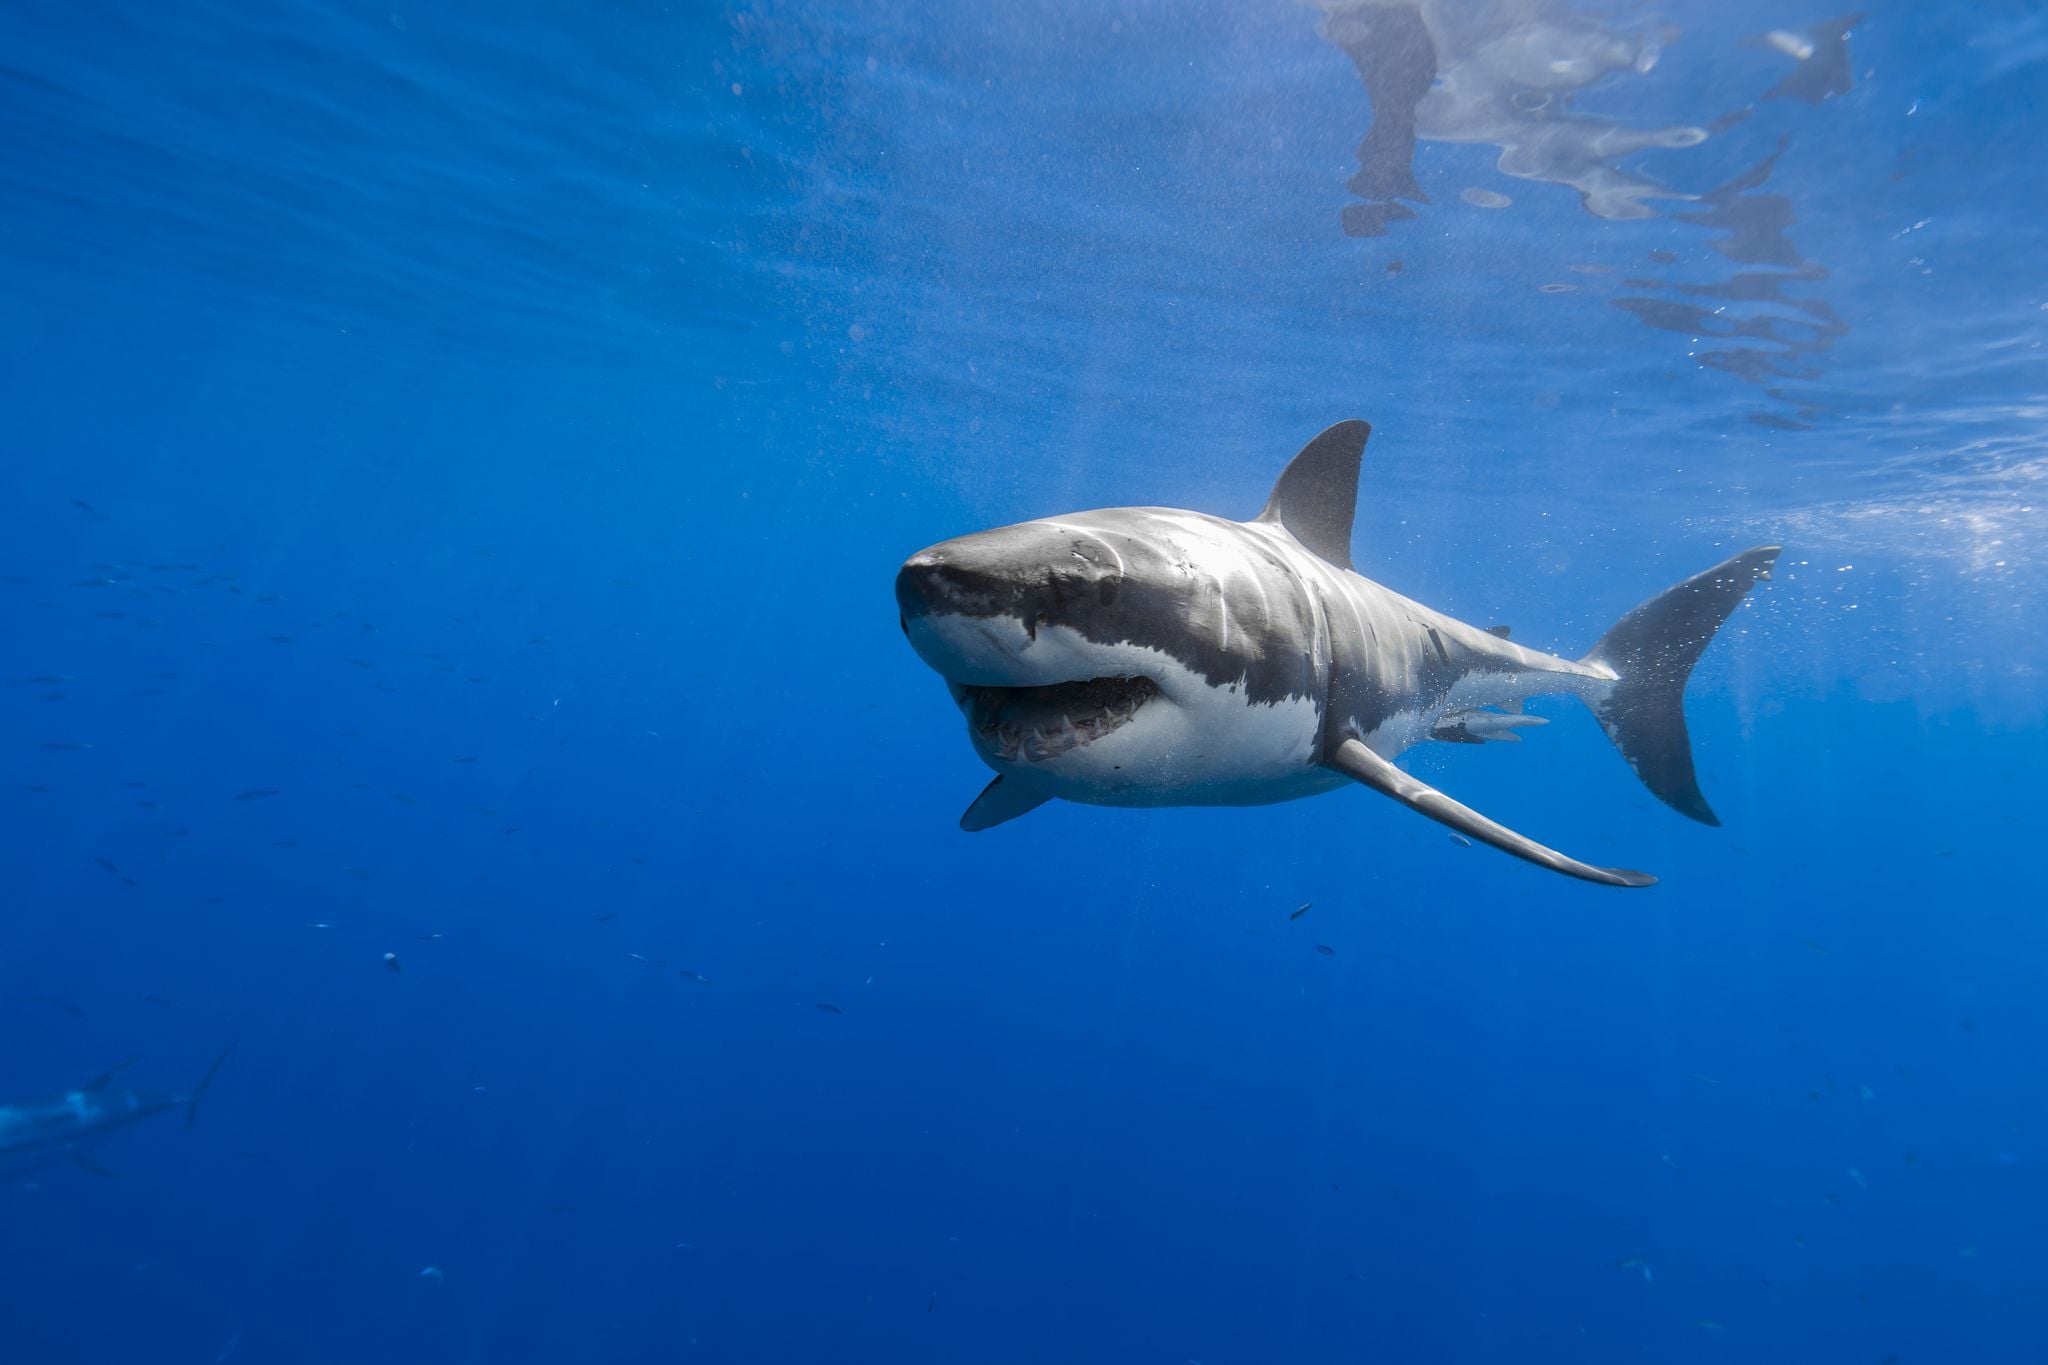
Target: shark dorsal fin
<point>106,1078</point>
<point>1318,492</point>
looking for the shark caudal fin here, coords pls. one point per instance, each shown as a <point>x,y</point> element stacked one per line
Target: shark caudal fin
<point>1652,651</point>
<point>199,1091</point>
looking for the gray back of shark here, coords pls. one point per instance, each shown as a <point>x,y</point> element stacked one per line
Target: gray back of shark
<point>1156,656</point>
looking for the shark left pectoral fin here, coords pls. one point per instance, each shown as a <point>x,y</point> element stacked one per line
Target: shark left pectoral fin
<point>1353,759</point>
<point>1000,801</point>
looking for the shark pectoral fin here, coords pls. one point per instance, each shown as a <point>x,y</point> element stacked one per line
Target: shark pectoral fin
<point>1000,801</point>
<point>199,1091</point>
<point>1361,764</point>
<point>86,1161</point>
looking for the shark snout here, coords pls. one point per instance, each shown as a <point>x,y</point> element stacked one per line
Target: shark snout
<point>1038,572</point>
<point>922,585</point>
<point>979,576</point>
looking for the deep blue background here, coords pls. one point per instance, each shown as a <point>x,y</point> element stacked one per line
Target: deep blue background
<point>497,430</point>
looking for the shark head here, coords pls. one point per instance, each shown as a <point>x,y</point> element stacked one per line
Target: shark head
<point>1050,637</point>
<point>1144,655</point>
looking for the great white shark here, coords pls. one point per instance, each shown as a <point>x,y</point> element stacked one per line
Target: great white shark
<point>70,1125</point>
<point>1151,656</point>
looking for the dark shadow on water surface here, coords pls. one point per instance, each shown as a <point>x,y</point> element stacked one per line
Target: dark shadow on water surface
<point>1505,73</point>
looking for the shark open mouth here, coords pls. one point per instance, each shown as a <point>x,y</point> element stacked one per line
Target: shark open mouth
<point>1033,724</point>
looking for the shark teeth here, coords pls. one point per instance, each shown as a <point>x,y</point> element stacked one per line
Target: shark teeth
<point>1038,724</point>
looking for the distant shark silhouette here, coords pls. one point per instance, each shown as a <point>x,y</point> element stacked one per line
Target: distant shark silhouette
<point>1147,656</point>
<point>69,1126</point>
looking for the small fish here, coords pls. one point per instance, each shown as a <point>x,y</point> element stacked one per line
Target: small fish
<point>830,1009</point>
<point>391,961</point>
<point>159,1002</point>
<point>697,976</point>
<point>1460,840</point>
<point>1709,1325</point>
<point>433,1274</point>
<point>1857,1176</point>
<point>257,793</point>
<point>607,915</point>
<point>1632,1263</point>
<point>1816,947</point>
<point>65,1005</point>
<point>106,866</point>
<point>82,505</point>
<point>1302,911</point>
<point>362,663</point>
<point>1326,950</point>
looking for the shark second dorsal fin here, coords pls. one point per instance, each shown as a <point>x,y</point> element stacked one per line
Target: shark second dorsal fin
<point>1317,494</point>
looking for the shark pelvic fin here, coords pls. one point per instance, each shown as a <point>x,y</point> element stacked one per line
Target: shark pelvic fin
<point>91,1164</point>
<point>1317,494</point>
<point>1000,801</point>
<point>1361,764</point>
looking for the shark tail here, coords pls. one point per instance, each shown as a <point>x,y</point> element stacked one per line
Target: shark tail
<point>199,1091</point>
<point>1652,651</point>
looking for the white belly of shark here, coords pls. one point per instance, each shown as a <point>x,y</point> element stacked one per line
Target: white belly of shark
<point>1157,657</point>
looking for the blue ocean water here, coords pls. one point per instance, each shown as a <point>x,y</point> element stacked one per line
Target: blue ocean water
<point>457,460</point>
